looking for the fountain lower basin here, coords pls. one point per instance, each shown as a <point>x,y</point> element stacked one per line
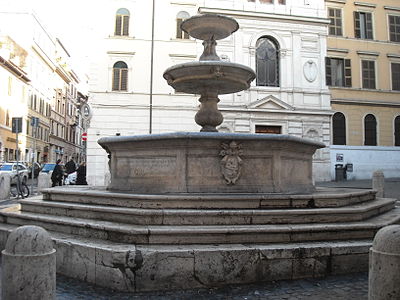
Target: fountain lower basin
<point>192,162</point>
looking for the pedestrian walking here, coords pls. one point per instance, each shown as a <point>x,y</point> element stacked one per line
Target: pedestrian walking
<point>57,175</point>
<point>70,166</point>
<point>81,174</point>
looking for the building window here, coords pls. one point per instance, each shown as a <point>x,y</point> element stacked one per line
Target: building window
<point>267,62</point>
<point>268,129</point>
<point>368,74</point>
<point>181,16</point>
<point>335,16</point>
<point>122,22</point>
<point>394,28</point>
<point>338,72</point>
<point>120,76</point>
<point>338,129</point>
<point>396,76</point>
<point>397,131</point>
<point>363,25</point>
<point>370,130</point>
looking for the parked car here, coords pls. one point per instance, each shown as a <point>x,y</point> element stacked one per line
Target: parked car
<point>47,168</point>
<point>36,169</point>
<point>11,168</point>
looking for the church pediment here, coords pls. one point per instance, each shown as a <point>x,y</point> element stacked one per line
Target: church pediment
<point>270,102</point>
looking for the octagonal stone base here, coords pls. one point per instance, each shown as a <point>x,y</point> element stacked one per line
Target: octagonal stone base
<point>187,162</point>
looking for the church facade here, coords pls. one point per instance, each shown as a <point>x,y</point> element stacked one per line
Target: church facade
<point>284,42</point>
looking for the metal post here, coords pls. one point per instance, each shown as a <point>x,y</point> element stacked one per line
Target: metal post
<point>151,69</point>
<point>17,158</point>
<point>33,156</point>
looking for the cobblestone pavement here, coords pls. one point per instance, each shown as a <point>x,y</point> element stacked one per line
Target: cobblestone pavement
<point>346,287</point>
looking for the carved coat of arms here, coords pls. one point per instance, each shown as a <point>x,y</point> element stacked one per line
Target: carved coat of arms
<point>231,161</point>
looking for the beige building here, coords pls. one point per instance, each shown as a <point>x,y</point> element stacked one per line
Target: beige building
<point>38,84</point>
<point>14,84</point>
<point>363,73</point>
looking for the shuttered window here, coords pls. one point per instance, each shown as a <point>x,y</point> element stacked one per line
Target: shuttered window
<point>363,25</point>
<point>338,72</point>
<point>394,28</point>
<point>338,129</point>
<point>368,74</point>
<point>120,76</point>
<point>180,17</point>
<point>267,62</point>
<point>396,76</point>
<point>122,22</point>
<point>335,17</point>
<point>370,130</point>
<point>397,131</point>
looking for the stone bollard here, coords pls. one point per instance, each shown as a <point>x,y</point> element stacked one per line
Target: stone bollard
<point>29,265</point>
<point>44,181</point>
<point>5,185</point>
<point>384,265</point>
<point>378,183</point>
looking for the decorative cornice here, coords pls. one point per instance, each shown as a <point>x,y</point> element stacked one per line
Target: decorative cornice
<point>393,55</point>
<point>371,53</point>
<point>121,53</point>
<point>364,102</point>
<point>336,1</point>
<point>263,15</point>
<point>183,3</point>
<point>183,56</point>
<point>20,74</point>
<point>367,4</point>
<point>392,8</point>
<point>338,50</point>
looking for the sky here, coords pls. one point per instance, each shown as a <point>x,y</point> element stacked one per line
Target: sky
<point>63,19</point>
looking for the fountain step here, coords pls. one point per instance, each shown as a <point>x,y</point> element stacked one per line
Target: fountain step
<point>322,197</point>
<point>203,234</point>
<point>140,216</point>
<point>137,268</point>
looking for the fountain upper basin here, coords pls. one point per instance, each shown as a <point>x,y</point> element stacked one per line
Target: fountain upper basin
<point>209,77</point>
<point>206,27</point>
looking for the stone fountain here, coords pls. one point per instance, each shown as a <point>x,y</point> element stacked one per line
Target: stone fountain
<point>210,162</point>
<point>204,209</point>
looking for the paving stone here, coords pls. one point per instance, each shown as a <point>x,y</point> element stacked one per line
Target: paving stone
<point>344,287</point>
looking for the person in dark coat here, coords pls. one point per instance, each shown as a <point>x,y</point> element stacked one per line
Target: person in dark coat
<point>70,166</point>
<point>57,175</point>
<point>81,174</point>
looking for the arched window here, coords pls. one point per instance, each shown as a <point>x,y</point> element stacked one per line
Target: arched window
<point>338,129</point>
<point>180,17</point>
<point>397,131</point>
<point>370,130</point>
<point>267,62</point>
<point>120,76</point>
<point>122,22</point>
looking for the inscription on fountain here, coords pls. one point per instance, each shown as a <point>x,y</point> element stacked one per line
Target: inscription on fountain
<point>152,166</point>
